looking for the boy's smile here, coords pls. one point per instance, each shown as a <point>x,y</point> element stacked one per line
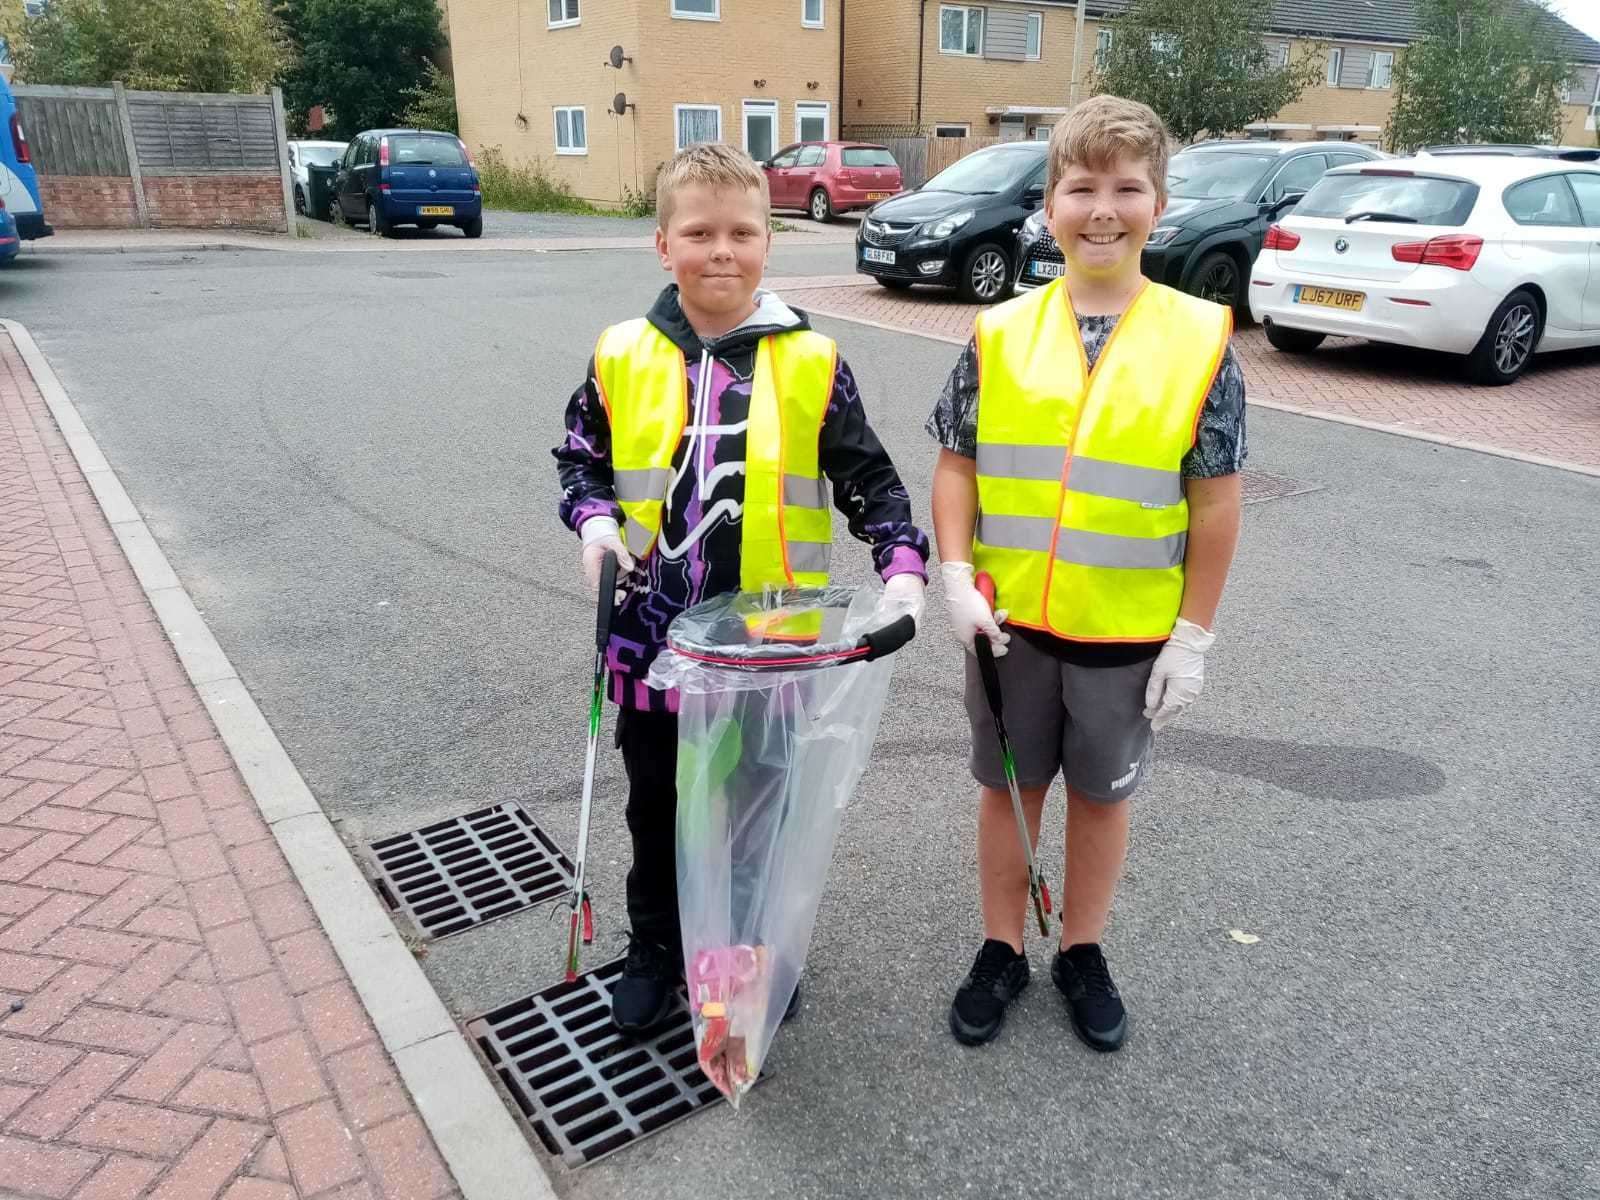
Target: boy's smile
<point>715,244</point>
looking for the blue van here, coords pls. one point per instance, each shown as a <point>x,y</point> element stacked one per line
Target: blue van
<point>418,177</point>
<point>19,183</point>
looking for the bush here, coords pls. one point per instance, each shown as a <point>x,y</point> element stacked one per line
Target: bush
<point>432,103</point>
<point>524,188</point>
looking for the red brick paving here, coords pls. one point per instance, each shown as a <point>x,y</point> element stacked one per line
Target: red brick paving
<point>1552,412</point>
<point>185,1029</point>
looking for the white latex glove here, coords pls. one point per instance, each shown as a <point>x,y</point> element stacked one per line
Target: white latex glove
<point>902,593</point>
<point>600,534</point>
<point>969,611</point>
<point>1179,673</point>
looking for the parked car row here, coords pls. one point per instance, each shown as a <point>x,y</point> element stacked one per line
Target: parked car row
<point>386,178</point>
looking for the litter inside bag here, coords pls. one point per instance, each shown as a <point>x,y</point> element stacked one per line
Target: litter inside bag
<point>775,725</point>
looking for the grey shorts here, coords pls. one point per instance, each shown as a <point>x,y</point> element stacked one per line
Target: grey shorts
<point>1086,722</point>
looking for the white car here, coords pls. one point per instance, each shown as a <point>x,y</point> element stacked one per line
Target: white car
<point>310,154</point>
<point>1493,255</point>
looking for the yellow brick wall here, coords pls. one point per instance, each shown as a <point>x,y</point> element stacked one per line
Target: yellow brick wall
<point>958,88</point>
<point>1577,129</point>
<point>675,61</point>
<point>1320,104</point>
<point>880,62</point>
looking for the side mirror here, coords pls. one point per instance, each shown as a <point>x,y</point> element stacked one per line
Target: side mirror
<point>1287,201</point>
<point>1034,194</point>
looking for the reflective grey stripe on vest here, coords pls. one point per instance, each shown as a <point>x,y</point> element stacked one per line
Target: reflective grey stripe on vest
<point>1112,550</point>
<point>1079,545</point>
<point>810,556</point>
<point>637,537</point>
<point>1093,476</point>
<point>802,492</point>
<point>647,483</point>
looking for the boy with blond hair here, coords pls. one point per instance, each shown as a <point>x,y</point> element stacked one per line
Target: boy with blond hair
<point>1092,434</point>
<point>721,376</point>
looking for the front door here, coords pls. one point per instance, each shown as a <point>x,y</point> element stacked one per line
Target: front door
<point>779,181</point>
<point>760,129</point>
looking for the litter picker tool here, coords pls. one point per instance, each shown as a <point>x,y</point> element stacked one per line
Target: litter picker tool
<point>602,635</point>
<point>1037,887</point>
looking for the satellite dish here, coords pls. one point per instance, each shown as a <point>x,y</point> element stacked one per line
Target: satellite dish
<point>619,103</point>
<point>617,57</point>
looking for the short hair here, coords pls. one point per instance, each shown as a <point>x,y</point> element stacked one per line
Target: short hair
<point>708,164</point>
<point>1102,129</point>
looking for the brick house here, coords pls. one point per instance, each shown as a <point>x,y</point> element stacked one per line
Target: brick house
<point>1009,68</point>
<point>534,78</point>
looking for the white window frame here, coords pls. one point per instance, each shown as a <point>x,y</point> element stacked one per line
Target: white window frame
<point>1036,35</point>
<point>966,129</point>
<point>714,15</point>
<point>966,11</point>
<point>1372,71</point>
<point>555,118</point>
<point>677,129</point>
<point>813,106</point>
<point>1593,119</point>
<point>564,22</point>
<point>1103,39</point>
<point>745,108</point>
<point>822,14</point>
<point>1335,65</point>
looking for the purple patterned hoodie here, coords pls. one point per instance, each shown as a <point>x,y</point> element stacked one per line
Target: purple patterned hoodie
<point>697,554</point>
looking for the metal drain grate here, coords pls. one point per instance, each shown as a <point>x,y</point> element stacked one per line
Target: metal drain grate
<point>586,1089</point>
<point>1261,485</point>
<point>469,870</point>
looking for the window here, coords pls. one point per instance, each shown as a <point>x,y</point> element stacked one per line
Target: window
<point>1041,133</point>
<point>572,131</point>
<point>787,158</point>
<point>1587,185</point>
<point>1544,201</point>
<point>1035,34</point>
<point>697,123</point>
<point>563,12</point>
<point>877,156</point>
<point>960,30</point>
<point>1344,160</point>
<point>1381,73</point>
<point>698,10</point>
<point>760,128</point>
<point>1163,45</point>
<point>1335,66</point>
<point>1594,104</point>
<point>1298,175</point>
<point>1102,49</point>
<point>811,13</point>
<point>426,150</point>
<point>1414,199</point>
<point>811,156</point>
<point>950,130</point>
<point>1277,55</point>
<point>810,121</point>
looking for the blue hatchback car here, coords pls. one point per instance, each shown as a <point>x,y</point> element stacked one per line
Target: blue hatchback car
<point>418,177</point>
<point>19,184</point>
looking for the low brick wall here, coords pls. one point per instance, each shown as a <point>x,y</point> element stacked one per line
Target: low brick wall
<point>89,201</point>
<point>174,201</point>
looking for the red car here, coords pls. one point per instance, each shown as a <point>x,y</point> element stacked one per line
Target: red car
<point>831,177</point>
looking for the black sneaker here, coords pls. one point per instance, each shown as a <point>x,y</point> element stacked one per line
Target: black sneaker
<point>997,978</point>
<point>642,996</point>
<point>1098,1017</point>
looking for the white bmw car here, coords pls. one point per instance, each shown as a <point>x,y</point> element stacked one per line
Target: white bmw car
<point>1493,254</point>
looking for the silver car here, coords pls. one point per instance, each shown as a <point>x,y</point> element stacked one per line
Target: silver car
<point>310,154</point>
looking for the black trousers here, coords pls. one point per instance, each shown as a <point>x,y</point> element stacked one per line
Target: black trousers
<point>649,745</point>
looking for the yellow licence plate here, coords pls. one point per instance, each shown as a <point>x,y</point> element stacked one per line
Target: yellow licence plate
<point>436,210</point>
<point>877,195</point>
<point>1330,298</point>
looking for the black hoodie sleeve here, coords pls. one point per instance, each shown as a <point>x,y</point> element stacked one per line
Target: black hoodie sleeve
<point>583,459</point>
<point>866,487</point>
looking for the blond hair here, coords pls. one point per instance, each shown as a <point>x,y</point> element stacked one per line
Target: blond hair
<point>1103,129</point>
<point>713,165</point>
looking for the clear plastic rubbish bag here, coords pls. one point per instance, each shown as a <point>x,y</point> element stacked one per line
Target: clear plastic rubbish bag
<point>779,700</point>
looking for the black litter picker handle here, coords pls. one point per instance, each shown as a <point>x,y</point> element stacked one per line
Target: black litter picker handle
<point>891,637</point>
<point>608,599</point>
<point>985,652</point>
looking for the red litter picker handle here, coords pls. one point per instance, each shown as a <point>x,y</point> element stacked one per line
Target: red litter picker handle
<point>985,585</point>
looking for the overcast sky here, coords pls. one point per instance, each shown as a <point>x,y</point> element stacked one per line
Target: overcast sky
<point>1585,14</point>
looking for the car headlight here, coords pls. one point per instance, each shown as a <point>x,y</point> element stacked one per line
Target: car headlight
<point>945,226</point>
<point>1033,228</point>
<point>1163,234</point>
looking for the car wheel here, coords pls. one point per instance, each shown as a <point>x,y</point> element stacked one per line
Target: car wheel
<point>894,285</point>
<point>1508,342</point>
<point>473,228</point>
<point>299,201</point>
<point>986,275</point>
<point>377,223</point>
<point>821,206</point>
<point>1217,278</point>
<point>1292,341</point>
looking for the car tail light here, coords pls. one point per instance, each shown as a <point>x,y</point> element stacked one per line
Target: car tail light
<point>19,140</point>
<point>1458,251</point>
<point>383,152</point>
<point>1279,238</point>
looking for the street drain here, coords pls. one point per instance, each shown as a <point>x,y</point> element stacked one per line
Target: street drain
<point>1261,485</point>
<point>469,870</point>
<point>586,1089</point>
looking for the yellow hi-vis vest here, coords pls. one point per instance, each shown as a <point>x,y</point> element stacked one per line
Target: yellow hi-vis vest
<point>786,537</point>
<point>1082,520</point>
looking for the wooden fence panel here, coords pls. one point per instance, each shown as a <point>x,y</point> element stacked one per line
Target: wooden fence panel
<point>73,135</point>
<point>921,158</point>
<point>191,134</point>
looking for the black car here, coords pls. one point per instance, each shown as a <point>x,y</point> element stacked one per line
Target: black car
<point>1221,196</point>
<point>959,229</point>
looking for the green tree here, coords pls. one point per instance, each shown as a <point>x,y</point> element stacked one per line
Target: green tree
<point>1481,71</point>
<point>362,59</point>
<point>432,104</point>
<point>1203,65</point>
<point>162,45</point>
